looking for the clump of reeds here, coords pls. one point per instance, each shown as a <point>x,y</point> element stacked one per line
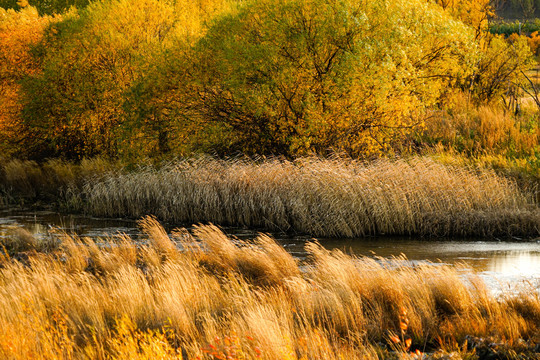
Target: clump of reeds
<point>327,198</point>
<point>27,181</point>
<point>207,296</point>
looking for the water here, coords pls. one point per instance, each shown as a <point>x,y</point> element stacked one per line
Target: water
<point>496,261</point>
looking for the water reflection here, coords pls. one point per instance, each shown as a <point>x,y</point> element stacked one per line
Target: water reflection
<point>517,263</point>
<point>40,223</point>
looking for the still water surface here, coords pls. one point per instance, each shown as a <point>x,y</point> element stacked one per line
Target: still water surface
<point>497,261</point>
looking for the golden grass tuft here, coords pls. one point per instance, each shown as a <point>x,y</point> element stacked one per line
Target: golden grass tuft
<point>326,198</point>
<point>215,297</point>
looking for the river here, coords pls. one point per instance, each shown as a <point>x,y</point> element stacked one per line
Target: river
<point>500,262</point>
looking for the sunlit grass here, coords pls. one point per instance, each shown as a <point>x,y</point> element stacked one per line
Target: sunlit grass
<point>323,197</point>
<point>222,298</point>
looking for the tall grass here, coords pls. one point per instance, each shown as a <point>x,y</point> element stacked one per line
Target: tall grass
<point>486,136</point>
<point>222,298</point>
<point>484,130</point>
<point>323,197</point>
<point>332,197</point>
<point>26,181</point>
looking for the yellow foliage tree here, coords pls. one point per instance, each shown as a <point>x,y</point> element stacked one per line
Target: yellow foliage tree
<point>19,31</point>
<point>92,59</point>
<point>474,13</point>
<point>501,66</point>
<point>295,76</point>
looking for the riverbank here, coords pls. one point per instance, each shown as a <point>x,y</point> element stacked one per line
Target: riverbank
<point>68,297</point>
<point>324,198</point>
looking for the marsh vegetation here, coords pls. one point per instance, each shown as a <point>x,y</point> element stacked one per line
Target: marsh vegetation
<point>234,112</point>
<point>321,197</point>
<point>205,295</point>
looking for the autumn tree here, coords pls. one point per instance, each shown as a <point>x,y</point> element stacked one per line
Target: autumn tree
<point>92,61</point>
<point>155,103</point>
<point>293,76</point>
<point>501,63</point>
<point>500,67</point>
<point>89,60</point>
<point>19,31</point>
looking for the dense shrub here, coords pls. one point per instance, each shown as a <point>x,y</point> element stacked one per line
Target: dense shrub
<point>292,76</point>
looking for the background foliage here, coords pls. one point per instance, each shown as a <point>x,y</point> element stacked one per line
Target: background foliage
<point>19,31</point>
<point>296,76</point>
<point>155,78</point>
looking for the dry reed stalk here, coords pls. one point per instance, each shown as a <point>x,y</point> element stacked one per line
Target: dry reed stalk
<point>225,298</point>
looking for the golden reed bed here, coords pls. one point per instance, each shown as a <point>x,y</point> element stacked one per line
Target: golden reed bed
<point>322,197</point>
<point>221,298</point>
<point>326,198</point>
